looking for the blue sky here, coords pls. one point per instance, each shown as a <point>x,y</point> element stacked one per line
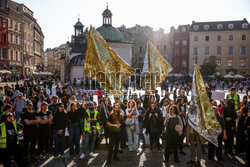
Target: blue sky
<point>57,17</point>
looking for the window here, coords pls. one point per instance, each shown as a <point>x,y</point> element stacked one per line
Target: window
<point>11,55</point>
<point>230,50</point>
<point>244,25</point>
<point>4,23</point>
<point>11,38</point>
<point>16,39</point>
<point>16,26</point>
<point>219,27</point>
<point>242,63</point>
<point>196,27</point>
<point>184,63</point>
<point>218,50</point>
<point>183,29</point>
<point>231,37</point>
<point>206,27</point>
<point>243,37</point>
<point>16,56</point>
<point>184,52</point>
<point>165,48</point>
<point>176,63</point>
<point>140,49</point>
<point>206,50</point>
<point>230,26</point>
<point>5,53</point>
<point>176,43</point>
<point>195,50</point>
<point>218,38</point>
<point>243,50</point>
<point>206,38</point>
<point>195,38</point>
<point>230,62</point>
<point>4,37</point>
<point>218,62</point>
<point>21,40</point>
<point>21,27</point>
<point>11,23</point>
<point>184,42</point>
<point>21,56</point>
<point>132,47</point>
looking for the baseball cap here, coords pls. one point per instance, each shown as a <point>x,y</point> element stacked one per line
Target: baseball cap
<point>9,114</point>
<point>20,94</point>
<point>90,103</point>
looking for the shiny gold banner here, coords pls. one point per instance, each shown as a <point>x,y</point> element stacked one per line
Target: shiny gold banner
<point>104,65</point>
<point>201,116</point>
<point>155,68</point>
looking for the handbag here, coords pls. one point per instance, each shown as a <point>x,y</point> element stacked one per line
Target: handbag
<point>178,129</point>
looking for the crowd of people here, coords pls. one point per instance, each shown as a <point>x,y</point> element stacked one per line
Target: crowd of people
<point>43,120</point>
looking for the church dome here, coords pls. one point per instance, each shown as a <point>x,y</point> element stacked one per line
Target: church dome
<point>110,33</point>
<point>107,12</point>
<point>78,24</point>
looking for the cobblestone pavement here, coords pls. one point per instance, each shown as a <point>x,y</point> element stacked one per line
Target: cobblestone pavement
<point>145,158</point>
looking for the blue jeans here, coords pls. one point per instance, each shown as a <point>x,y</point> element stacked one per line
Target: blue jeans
<point>86,142</point>
<point>59,139</point>
<point>18,116</point>
<point>141,132</point>
<point>74,138</point>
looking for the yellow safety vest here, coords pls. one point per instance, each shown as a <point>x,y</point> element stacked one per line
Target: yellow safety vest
<point>3,137</point>
<point>87,124</point>
<point>235,100</point>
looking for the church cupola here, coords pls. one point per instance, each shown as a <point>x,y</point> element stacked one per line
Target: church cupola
<point>78,28</point>
<point>107,17</point>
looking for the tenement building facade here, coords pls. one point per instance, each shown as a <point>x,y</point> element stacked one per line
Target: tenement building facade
<point>226,43</point>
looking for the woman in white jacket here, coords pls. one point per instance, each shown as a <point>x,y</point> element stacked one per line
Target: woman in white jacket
<point>132,126</point>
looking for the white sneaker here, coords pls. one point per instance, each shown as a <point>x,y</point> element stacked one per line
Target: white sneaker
<point>130,150</point>
<point>82,156</point>
<point>138,150</point>
<point>56,157</point>
<point>91,154</point>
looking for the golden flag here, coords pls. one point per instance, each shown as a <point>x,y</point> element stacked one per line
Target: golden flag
<point>155,68</point>
<point>104,65</point>
<point>201,116</point>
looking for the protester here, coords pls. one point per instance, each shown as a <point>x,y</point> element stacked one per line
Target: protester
<point>195,146</point>
<point>74,117</point>
<point>233,95</point>
<point>30,120</point>
<point>45,118</point>
<point>172,136</point>
<point>142,114</point>
<point>9,143</point>
<point>114,124</point>
<point>19,104</point>
<point>91,129</point>
<point>154,125</point>
<point>230,116</point>
<point>60,120</point>
<point>222,136</point>
<point>240,132</point>
<point>132,126</point>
